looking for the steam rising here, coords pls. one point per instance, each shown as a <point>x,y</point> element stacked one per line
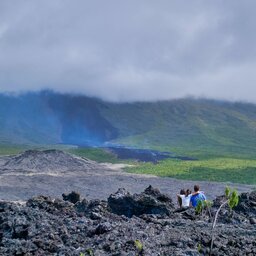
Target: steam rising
<point>47,118</point>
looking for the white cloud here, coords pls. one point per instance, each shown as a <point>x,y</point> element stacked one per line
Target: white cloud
<point>129,50</point>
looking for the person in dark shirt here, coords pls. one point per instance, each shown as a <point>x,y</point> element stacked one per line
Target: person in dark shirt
<point>197,196</point>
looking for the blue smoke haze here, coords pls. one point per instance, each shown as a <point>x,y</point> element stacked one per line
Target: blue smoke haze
<point>47,118</point>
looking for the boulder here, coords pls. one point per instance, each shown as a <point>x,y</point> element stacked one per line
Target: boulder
<point>247,204</point>
<point>72,197</point>
<point>93,209</point>
<point>151,201</point>
<point>41,202</point>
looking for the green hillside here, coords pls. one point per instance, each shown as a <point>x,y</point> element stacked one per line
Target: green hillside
<point>202,128</point>
<point>197,127</point>
<point>221,135</point>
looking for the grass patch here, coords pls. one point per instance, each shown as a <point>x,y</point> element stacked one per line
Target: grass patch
<point>11,149</point>
<point>208,168</point>
<point>217,169</point>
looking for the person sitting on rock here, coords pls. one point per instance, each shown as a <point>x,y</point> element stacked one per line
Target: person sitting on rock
<point>197,196</point>
<point>184,198</point>
<point>182,193</point>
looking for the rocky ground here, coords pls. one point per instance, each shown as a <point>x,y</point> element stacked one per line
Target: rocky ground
<point>131,221</point>
<point>53,172</point>
<point>125,224</point>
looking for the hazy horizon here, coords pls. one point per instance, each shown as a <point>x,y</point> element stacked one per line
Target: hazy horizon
<point>129,51</point>
<point>21,94</point>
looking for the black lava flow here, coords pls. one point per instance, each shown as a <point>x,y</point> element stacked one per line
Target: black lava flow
<point>145,155</point>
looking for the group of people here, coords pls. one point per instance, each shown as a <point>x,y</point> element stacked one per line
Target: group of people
<point>188,199</point>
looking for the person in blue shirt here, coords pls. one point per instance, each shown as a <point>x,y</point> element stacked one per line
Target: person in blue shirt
<point>197,196</point>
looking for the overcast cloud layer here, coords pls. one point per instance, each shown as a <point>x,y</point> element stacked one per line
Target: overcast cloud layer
<point>130,50</point>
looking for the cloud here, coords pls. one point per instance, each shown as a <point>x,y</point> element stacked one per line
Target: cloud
<point>129,50</point>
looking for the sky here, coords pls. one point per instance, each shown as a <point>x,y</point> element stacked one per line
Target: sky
<point>133,50</point>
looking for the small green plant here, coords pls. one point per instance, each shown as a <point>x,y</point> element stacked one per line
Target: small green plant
<point>89,251</point>
<point>231,199</point>
<point>203,207</point>
<point>139,246</point>
<point>199,248</point>
<point>199,207</point>
<point>227,191</point>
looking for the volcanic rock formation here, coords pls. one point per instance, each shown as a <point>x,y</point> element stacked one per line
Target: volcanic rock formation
<point>45,161</point>
<point>47,226</point>
<point>151,201</point>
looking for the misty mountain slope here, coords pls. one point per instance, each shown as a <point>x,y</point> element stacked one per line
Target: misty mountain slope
<point>193,124</point>
<point>46,118</point>
<point>186,124</point>
<point>27,119</point>
<point>81,120</point>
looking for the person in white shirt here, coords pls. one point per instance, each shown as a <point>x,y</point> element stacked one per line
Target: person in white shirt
<point>185,199</point>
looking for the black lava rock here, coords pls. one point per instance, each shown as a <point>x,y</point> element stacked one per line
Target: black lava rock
<point>46,226</point>
<point>151,201</point>
<point>72,197</point>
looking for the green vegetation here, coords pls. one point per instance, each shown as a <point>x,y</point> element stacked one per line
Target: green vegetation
<point>211,168</point>
<point>232,197</point>
<point>89,252</point>
<point>222,135</point>
<point>15,149</point>
<point>216,169</point>
<point>232,200</point>
<point>203,207</point>
<point>194,127</point>
<point>139,246</point>
<point>11,150</point>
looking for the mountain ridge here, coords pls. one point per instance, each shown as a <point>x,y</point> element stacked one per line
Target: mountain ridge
<point>191,125</point>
